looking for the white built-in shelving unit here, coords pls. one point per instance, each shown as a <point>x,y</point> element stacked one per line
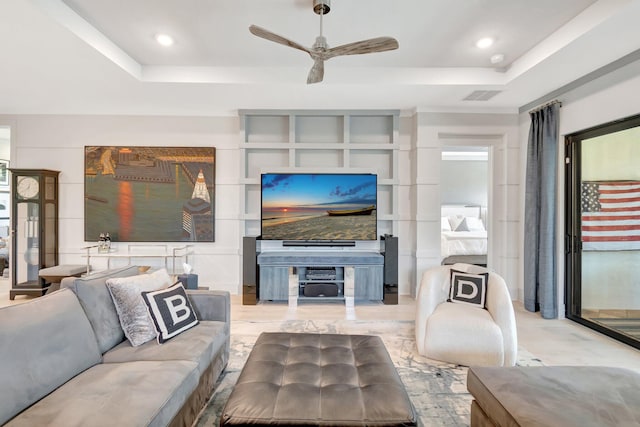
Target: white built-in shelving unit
<point>323,141</point>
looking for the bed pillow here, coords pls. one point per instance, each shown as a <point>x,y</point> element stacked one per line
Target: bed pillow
<point>171,311</point>
<point>444,224</point>
<point>455,221</point>
<point>462,226</point>
<point>474,224</point>
<point>469,289</point>
<point>132,311</point>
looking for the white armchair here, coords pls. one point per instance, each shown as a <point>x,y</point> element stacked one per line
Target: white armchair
<point>462,334</point>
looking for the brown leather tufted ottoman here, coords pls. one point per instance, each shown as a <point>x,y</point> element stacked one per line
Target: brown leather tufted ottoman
<point>549,396</point>
<point>318,379</point>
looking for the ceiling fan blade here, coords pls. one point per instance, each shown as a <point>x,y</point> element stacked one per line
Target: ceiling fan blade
<point>268,35</point>
<point>378,44</point>
<point>317,71</point>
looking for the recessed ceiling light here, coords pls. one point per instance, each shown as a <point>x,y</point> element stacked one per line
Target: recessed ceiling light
<point>484,42</point>
<point>164,39</point>
<point>497,58</point>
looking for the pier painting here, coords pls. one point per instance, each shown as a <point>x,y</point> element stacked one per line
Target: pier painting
<point>149,194</point>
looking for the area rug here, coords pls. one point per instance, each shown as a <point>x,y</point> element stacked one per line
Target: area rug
<point>437,390</point>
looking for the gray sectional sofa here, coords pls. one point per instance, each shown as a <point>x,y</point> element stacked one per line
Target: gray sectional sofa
<point>64,361</point>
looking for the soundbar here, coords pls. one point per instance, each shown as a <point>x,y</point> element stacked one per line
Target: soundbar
<point>318,243</point>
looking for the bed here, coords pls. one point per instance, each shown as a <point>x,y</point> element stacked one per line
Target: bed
<point>463,236</point>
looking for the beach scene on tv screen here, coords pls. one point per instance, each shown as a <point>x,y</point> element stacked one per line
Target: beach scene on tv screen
<point>319,206</point>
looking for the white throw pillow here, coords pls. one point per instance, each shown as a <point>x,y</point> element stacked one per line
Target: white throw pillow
<point>126,293</point>
<point>444,224</point>
<point>474,224</point>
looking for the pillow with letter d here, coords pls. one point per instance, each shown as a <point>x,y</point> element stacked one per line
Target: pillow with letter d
<point>467,288</point>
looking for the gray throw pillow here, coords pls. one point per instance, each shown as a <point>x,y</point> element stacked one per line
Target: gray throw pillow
<point>463,226</point>
<point>126,293</point>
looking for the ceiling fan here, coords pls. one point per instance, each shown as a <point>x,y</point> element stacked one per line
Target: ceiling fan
<point>320,51</point>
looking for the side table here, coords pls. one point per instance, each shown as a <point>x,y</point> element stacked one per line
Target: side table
<point>54,275</point>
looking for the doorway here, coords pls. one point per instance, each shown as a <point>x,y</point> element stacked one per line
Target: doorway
<point>603,229</point>
<point>464,197</point>
<point>5,205</point>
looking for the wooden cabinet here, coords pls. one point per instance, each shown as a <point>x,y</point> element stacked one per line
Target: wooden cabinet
<point>274,273</point>
<point>34,229</point>
<point>274,282</point>
<point>368,282</point>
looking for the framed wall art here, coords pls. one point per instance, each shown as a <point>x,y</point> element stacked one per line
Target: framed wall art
<point>149,194</point>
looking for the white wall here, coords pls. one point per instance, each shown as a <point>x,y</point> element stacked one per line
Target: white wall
<point>57,142</point>
<point>464,182</point>
<point>5,154</point>
<point>5,145</point>
<point>432,132</point>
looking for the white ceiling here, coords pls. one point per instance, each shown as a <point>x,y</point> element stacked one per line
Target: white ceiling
<point>100,56</point>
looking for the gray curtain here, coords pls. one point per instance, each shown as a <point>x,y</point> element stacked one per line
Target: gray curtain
<point>540,284</point>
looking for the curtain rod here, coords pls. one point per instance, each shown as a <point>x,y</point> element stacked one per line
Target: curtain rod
<point>555,101</point>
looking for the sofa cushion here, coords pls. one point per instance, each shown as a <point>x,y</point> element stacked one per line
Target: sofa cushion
<point>97,303</point>
<point>170,311</point>
<point>211,305</point>
<point>482,343</point>
<point>117,394</point>
<point>200,345</point>
<point>44,343</point>
<point>126,293</point>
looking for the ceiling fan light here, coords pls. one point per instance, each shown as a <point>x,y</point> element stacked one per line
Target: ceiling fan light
<point>164,39</point>
<point>320,50</point>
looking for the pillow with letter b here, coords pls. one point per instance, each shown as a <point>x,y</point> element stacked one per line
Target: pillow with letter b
<point>467,288</point>
<point>171,311</point>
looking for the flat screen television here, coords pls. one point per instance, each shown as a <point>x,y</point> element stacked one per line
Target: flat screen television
<point>319,206</point>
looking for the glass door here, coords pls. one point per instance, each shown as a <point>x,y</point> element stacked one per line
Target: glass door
<point>603,229</point>
<point>27,238</point>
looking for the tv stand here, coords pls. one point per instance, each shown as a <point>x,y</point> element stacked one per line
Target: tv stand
<point>320,268</point>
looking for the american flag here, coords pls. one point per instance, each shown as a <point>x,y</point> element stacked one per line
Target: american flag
<point>610,215</point>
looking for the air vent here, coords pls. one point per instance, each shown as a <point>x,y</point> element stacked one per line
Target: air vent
<point>481,95</point>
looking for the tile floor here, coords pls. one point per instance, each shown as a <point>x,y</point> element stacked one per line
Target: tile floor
<point>555,342</point>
